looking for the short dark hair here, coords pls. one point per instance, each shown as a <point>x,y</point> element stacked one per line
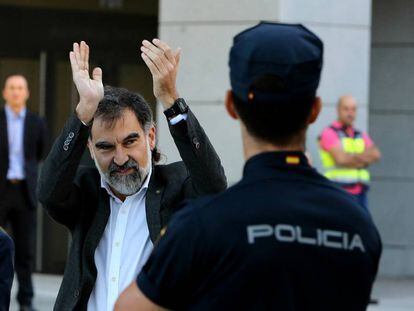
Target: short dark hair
<point>279,123</point>
<point>116,100</point>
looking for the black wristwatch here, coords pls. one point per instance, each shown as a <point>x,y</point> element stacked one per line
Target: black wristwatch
<point>179,107</point>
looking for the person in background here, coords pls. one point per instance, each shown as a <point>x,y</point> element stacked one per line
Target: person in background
<point>22,147</point>
<point>115,210</point>
<point>347,152</point>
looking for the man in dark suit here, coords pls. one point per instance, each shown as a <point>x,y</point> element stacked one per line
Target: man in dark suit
<point>115,212</point>
<point>6,269</point>
<point>22,145</point>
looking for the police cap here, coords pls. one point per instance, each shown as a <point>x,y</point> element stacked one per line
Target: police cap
<point>288,57</point>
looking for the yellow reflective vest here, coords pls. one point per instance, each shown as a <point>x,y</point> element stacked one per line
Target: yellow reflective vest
<point>342,175</point>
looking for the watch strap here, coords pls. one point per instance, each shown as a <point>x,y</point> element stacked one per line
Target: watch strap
<point>179,107</point>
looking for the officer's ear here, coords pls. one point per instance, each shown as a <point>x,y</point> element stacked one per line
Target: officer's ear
<point>229,103</point>
<point>316,109</point>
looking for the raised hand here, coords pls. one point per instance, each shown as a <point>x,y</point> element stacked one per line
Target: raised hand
<point>163,64</point>
<point>91,91</point>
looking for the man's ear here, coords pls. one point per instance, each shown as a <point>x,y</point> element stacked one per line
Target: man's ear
<point>229,103</point>
<point>316,109</point>
<point>90,146</point>
<point>152,136</point>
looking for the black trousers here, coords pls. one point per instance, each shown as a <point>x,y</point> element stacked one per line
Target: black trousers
<point>17,214</point>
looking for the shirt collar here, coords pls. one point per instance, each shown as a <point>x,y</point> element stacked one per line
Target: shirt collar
<point>349,130</point>
<point>11,114</point>
<point>339,125</point>
<point>144,186</point>
<point>289,160</point>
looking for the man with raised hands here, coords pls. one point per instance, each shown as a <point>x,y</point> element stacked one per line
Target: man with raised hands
<point>115,212</point>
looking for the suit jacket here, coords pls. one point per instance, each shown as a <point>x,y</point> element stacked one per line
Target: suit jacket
<point>6,269</point>
<point>34,142</point>
<point>74,197</point>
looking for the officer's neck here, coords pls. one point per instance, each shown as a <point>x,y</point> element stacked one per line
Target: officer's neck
<point>253,146</point>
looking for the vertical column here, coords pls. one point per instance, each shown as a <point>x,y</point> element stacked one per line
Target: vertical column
<point>392,122</point>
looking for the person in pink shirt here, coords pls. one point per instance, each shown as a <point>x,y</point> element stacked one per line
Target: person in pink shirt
<point>347,152</point>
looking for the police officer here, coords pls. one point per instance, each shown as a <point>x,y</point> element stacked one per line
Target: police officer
<point>284,237</point>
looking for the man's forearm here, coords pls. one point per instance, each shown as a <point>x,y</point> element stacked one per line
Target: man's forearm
<point>55,186</point>
<point>351,161</point>
<point>370,155</point>
<point>199,156</point>
<point>206,173</point>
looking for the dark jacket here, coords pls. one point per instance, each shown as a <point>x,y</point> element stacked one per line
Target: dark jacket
<point>6,269</point>
<point>34,142</point>
<point>75,198</point>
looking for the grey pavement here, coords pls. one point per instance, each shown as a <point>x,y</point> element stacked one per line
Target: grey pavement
<point>393,294</point>
<point>46,288</point>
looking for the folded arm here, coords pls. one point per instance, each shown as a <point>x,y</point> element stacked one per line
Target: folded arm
<point>343,159</point>
<point>371,155</point>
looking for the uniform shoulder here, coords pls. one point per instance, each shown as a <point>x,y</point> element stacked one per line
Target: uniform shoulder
<point>329,130</point>
<point>225,197</point>
<point>328,138</point>
<point>193,207</point>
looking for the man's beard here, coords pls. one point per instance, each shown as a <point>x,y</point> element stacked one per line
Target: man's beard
<point>128,184</point>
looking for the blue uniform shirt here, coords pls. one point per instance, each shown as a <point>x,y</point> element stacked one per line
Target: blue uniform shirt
<point>283,238</point>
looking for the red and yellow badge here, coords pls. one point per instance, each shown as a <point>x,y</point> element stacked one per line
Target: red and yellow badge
<point>292,160</point>
<point>163,230</point>
<point>250,96</point>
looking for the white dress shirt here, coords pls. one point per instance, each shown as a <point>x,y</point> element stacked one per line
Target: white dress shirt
<point>123,249</point>
<point>15,133</point>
